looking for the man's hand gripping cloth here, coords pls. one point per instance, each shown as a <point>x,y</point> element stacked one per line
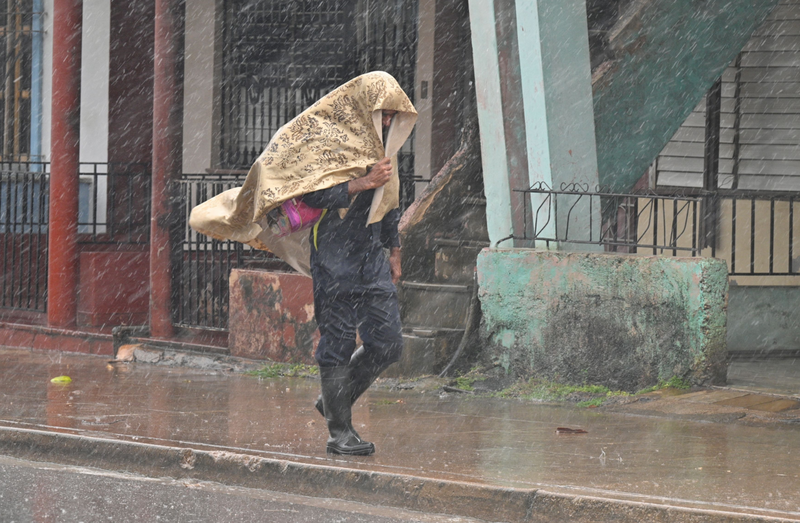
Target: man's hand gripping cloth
<point>333,141</point>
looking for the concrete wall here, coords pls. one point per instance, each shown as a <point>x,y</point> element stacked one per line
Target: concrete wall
<point>424,96</point>
<point>114,288</point>
<point>620,321</point>
<point>763,319</point>
<point>94,80</point>
<point>130,87</point>
<point>47,77</point>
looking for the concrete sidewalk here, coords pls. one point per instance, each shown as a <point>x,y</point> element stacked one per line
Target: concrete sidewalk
<point>497,460</point>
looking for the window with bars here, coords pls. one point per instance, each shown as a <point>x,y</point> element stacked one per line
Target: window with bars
<point>17,26</point>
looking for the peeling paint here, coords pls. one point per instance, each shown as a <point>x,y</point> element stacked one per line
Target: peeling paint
<point>271,316</point>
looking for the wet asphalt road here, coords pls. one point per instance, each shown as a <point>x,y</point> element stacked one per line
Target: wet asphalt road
<point>44,492</point>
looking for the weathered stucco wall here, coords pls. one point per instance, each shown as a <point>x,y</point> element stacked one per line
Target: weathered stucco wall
<point>616,320</point>
<point>271,316</point>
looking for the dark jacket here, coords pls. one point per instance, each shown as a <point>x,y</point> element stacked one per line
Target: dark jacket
<point>346,253</point>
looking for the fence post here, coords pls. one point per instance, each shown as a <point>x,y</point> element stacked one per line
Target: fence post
<point>708,237</point>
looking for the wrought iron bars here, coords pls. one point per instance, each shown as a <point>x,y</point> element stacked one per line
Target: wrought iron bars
<point>757,232</point>
<point>114,203</point>
<point>202,264</point>
<point>114,208</point>
<point>627,222</point>
<point>16,53</point>
<point>24,195</point>
<point>761,234</point>
<point>280,56</point>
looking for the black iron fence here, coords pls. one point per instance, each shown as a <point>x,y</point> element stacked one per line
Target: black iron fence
<point>281,56</point>
<point>755,233</point>
<point>203,265</point>
<point>761,233</point>
<point>114,203</point>
<point>114,208</point>
<point>24,199</point>
<point>626,223</point>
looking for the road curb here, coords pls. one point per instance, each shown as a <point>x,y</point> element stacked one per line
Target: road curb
<point>376,488</point>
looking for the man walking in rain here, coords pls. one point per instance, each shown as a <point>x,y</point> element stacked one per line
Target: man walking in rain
<point>354,289</point>
<point>336,156</point>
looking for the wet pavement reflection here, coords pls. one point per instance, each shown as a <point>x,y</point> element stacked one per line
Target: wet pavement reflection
<point>498,442</point>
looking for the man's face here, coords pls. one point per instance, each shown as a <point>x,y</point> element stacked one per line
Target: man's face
<point>386,119</point>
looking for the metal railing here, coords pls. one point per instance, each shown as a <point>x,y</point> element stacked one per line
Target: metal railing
<point>24,199</point>
<point>755,233</point>
<point>281,57</point>
<point>113,208</point>
<point>114,203</point>
<point>619,222</point>
<point>202,264</point>
<point>761,232</point>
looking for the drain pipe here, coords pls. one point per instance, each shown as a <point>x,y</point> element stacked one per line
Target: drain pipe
<point>474,306</point>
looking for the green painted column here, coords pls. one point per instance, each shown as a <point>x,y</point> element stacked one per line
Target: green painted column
<point>556,98</point>
<point>490,118</point>
<point>556,81</point>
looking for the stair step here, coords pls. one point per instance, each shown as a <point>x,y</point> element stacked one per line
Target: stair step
<point>454,260</point>
<point>436,287</point>
<point>425,331</point>
<point>425,355</point>
<point>466,244</point>
<point>470,220</point>
<point>472,200</point>
<point>434,305</point>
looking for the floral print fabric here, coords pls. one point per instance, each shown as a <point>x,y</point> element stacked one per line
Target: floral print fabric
<point>335,140</point>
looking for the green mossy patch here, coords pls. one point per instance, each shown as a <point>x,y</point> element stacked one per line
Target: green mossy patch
<point>467,381</point>
<point>585,396</point>
<point>285,370</point>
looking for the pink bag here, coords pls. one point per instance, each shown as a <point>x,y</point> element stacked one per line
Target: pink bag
<point>292,216</point>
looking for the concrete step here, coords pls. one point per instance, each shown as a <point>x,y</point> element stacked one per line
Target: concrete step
<point>426,351</point>
<point>454,260</point>
<point>434,305</point>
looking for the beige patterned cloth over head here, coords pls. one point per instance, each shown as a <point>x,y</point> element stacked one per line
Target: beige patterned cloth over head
<point>334,141</point>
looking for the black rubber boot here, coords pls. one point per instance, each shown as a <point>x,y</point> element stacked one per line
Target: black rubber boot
<point>336,394</point>
<point>363,374</point>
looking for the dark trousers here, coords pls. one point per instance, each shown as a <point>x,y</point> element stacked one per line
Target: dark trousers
<point>374,313</point>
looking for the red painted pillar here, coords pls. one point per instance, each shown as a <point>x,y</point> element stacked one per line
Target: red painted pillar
<point>62,278</point>
<point>167,156</point>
